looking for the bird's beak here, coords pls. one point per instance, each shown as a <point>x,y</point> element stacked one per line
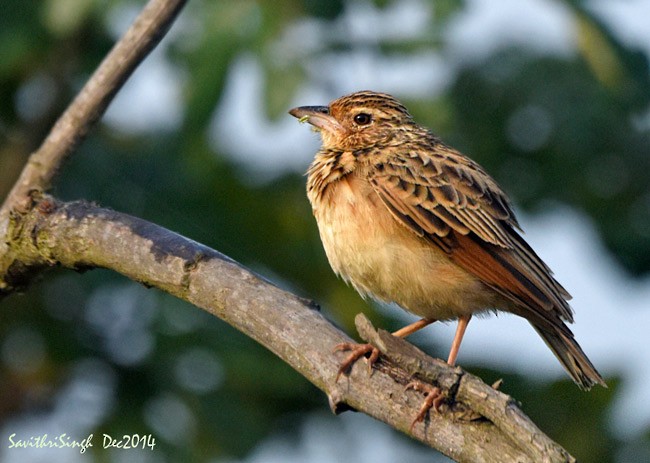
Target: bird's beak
<point>318,116</point>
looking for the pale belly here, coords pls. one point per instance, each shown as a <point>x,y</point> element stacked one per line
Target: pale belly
<point>380,257</point>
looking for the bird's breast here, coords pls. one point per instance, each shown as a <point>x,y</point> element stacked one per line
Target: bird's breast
<point>380,257</point>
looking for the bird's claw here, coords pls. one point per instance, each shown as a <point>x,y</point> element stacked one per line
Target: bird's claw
<point>433,399</point>
<point>356,352</point>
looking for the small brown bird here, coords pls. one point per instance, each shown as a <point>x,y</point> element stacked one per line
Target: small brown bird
<point>405,218</point>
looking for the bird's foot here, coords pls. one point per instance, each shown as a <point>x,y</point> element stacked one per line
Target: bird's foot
<point>433,399</point>
<point>356,352</point>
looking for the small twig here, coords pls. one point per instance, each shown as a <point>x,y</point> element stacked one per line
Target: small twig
<point>86,109</point>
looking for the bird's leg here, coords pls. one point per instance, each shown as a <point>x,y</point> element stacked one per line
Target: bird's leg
<point>433,395</point>
<point>360,350</point>
<point>413,327</point>
<point>458,338</point>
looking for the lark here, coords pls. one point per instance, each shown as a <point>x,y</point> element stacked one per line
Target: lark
<point>406,219</point>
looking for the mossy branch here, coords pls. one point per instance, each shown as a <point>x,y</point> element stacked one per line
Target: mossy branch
<point>87,108</point>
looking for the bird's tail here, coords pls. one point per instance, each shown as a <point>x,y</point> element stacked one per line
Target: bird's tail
<point>569,353</point>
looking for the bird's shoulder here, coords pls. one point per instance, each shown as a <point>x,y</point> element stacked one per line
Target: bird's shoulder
<point>439,189</point>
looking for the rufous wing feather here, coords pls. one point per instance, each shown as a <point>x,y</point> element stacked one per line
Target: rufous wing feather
<point>452,202</point>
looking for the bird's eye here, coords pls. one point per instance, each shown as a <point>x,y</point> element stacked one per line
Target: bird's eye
<point>363,119</point>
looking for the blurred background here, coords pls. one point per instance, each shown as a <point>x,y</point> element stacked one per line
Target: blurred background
<point>552,97</point>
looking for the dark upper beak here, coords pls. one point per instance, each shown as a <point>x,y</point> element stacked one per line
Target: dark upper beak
<point>318,116</point>
<point>302,111</point>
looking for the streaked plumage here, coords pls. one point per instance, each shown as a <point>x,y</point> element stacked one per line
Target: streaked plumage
<point>407,219</point>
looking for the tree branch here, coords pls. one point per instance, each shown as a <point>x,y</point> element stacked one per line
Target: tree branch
<point>482,424</point>
<point>86,109</point>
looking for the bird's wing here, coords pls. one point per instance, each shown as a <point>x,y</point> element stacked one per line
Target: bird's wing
<point>450,200</point>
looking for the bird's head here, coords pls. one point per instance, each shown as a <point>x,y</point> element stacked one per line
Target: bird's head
<point>356,121</point>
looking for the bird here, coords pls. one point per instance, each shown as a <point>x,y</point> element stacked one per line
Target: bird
<point>406,219</point>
